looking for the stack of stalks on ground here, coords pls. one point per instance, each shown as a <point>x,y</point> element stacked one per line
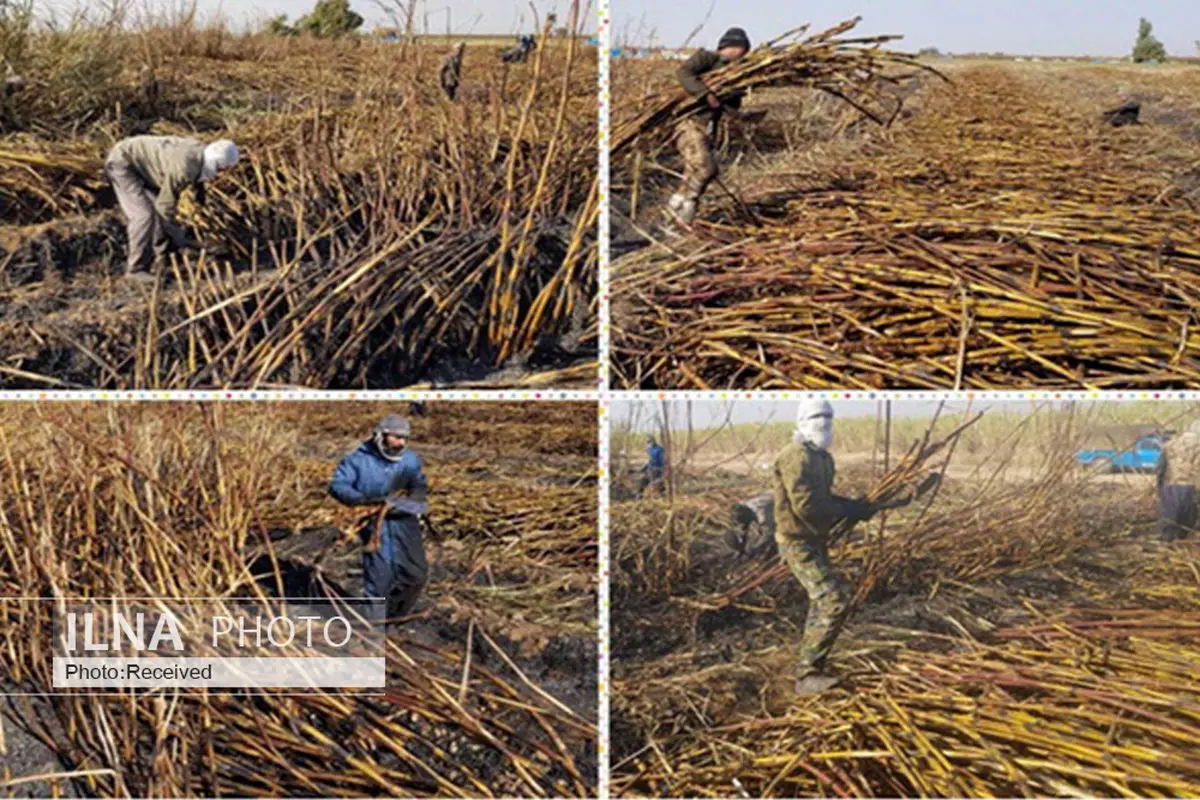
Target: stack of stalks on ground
<point>1007,638</point>
<point>374,231</point>
<point>996,236</point>
<point>132,501</point>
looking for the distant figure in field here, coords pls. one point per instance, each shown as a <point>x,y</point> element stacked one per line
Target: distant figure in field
<point>450,75</point>
<point>693,136</point>
<point>13,84</point>
<point>149,174</point>
<point>520,53</point>
<point>1179,485</point>
<point>655,470</point>
<point>1125,114</point>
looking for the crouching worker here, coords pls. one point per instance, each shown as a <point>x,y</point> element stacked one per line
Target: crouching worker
<point>383,473</point>
<point>1178,475</point>
<point>149,174</point>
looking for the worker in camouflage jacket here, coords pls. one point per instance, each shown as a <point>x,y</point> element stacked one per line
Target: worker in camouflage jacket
<point>1179,485</point>
<point>802,512</point>
<point>694,136</point>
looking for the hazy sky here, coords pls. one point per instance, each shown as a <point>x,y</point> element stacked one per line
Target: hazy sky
<point>708,413</point>
<point>466,16</point>
<point>1033,27</point>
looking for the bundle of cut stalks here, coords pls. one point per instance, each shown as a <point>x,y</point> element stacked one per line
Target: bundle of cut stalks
<point>847,68</point>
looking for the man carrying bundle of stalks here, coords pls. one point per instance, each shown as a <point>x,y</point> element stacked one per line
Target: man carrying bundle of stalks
<point>386,475</point>
<point>801,514</point>
<point>693,136</point>
<point>149,174</point>
<point>1179,485</point>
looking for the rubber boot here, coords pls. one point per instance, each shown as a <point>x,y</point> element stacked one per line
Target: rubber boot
<point>816,683</point>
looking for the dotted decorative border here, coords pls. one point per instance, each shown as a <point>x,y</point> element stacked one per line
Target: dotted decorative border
<point>603,105</point>
<point>300,395</point>
<point>786,396</point>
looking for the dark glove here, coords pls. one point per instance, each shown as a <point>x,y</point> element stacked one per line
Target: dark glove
<point>735,540</point>
<point>930,483</point>
<point>858,510</point>
<point>406,505</point>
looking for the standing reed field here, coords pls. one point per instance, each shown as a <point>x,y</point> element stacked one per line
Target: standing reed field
<point>1020,632</point>
<point>492,686</point>
<point>374,235</point>
<point>978,228</point>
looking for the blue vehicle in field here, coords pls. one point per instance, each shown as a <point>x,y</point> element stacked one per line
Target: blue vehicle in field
<point>1144,456</point>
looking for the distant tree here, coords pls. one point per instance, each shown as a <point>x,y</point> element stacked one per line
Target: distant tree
<point>929,52</point>
<point>277,26</point>
<point>560,32</point>
<point>1147,48</point>
<point>330,18</point>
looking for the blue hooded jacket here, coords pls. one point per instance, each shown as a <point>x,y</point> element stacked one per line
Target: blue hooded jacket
<point>364,477</point>
<point>657,457</point>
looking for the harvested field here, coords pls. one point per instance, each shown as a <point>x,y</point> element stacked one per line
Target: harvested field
<point>995,235</point>
<point>375,234</point>
<point>1022,632</point>
<point>492,679</point>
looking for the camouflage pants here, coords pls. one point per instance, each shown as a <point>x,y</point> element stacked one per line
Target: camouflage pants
<point>699,162</point>
<point>827,601</point>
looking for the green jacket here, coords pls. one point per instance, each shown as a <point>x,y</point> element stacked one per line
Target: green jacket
<point>690,78</point>
<point>169,164</point>
<point>805,505</point>
<point>701,63</point>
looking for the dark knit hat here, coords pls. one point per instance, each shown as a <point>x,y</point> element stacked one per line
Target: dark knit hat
<point>734,37</point>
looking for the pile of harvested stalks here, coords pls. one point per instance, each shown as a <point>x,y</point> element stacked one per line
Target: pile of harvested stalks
<point>1008,638</point>
<point>999,238</point>
<point>175,502</point>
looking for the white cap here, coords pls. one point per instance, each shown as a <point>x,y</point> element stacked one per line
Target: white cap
<point>221,154</point>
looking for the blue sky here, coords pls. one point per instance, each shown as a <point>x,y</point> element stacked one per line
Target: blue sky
<point>1032,27</point>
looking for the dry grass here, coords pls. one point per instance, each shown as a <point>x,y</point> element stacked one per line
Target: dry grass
<point>1008,638</point>
<point>177,501</point>
<point>375,235</point>
<point>996,236</point>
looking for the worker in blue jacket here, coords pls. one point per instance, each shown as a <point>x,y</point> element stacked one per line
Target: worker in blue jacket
<point>385,473</point>
<point>656,466</point>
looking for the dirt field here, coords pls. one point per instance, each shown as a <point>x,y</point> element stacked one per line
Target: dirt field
<point>512,491</point>
<point>374,235</point>
<point>1022,633</point>
<point>997,234</point>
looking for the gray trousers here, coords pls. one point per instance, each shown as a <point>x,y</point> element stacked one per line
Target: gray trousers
<point>148,237</point>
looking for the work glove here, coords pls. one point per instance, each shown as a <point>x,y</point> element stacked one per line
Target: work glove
<point>736,540</point>
<point>406,505</point>
<point>859,509</point>
<point>931,482</point>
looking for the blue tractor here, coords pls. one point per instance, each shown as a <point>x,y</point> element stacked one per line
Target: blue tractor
<point>1143,457</point>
